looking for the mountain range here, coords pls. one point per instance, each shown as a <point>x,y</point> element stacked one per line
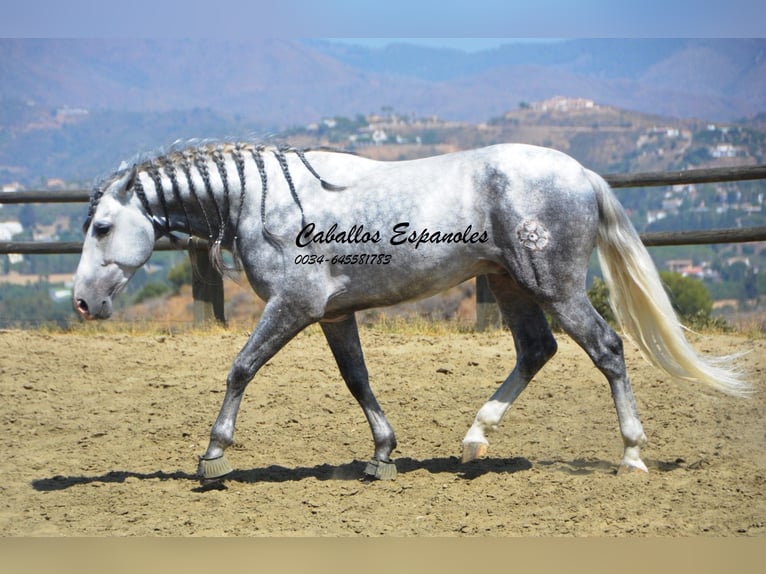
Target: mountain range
<point>279,82</point>
<point>84,105</point>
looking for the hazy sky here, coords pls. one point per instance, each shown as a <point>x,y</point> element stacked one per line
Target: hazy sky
<point>465,44</point>
<point>383,18</point>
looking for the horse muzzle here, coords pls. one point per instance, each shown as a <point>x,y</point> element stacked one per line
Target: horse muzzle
<point>92,294</point>
<point>90,311</point>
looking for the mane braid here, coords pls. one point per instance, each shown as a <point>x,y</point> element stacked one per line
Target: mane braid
<point>216,255</point>
<point>94,199</point>
<point>279,154</point>
<point>239,160</point>
<point>220,163</point>
<point>200,161</point>
<point>258,159</point>
<point>138,187</point>
<point>186,165</point>
<point>325,184</point>
<point>170,170</point>
<point>154,173</point>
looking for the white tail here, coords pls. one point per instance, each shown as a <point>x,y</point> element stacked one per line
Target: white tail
<point>641,305</point>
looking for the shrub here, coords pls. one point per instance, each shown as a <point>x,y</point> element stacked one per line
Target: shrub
<point>690,299</point>
<point>150,291</point>
<point>180,275</point>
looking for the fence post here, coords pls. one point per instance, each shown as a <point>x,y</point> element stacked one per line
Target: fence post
<point>487,311</point>
<point>207,288</point>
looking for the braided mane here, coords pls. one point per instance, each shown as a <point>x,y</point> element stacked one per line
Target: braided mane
<point>182,157</point>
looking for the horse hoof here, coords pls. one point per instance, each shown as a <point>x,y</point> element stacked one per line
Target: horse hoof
<point>213,468</point>
<point>380,470</point>
<point>474,451</point>
<point>625,469</point>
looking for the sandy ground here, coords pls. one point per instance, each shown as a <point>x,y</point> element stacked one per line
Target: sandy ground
<point>102,431</point>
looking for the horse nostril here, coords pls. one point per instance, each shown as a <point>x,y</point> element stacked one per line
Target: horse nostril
<point>82,306</point>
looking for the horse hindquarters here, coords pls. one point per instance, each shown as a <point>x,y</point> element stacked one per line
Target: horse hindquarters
<point>546,255</point>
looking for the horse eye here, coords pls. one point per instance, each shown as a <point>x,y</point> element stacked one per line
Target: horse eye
<point>101,228</point>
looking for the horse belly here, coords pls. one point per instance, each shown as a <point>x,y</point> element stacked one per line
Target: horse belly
<point>379,285</point>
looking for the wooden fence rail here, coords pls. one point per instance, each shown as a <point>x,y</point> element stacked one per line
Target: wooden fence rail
<point>652,239</point>
<point>687,177</point>
<point>207,287</point>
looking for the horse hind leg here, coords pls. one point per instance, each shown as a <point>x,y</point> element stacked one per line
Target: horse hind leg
<point>343,338</point>
<point>581,322</point>
<point>534,345</point>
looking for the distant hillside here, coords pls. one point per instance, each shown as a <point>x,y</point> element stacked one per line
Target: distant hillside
<point>283,82</point>
<point>77,145</point>
<point>73,108</point>
<point>714,78</point>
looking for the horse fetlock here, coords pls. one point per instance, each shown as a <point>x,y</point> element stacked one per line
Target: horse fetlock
<point>383,452</point>
<point>475,443</point>
<point>635,440</point>
<point>631,461</point>
<point>220,440</point>
<point>222,431</point>
<point>384,445</point>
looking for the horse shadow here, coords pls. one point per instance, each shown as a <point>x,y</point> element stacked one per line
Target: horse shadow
<point>350,471</point>
<point>276,473</point>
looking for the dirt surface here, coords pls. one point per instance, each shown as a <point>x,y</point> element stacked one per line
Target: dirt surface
<point>102,431</point>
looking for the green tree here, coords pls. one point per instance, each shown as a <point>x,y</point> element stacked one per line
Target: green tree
<point>690,299</point>
<point>689,296</point>
<point>32,305</point>
<point>151,291</point>
<point>27,216</point>
<point>180,275</point>
<point>599,298</point>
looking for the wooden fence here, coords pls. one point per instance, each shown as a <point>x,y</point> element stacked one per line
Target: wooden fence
<point>207,286</point>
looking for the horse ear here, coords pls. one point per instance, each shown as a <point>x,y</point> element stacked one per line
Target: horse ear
<point>125,182</point>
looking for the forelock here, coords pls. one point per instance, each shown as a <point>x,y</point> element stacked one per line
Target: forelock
<point>98,192</point>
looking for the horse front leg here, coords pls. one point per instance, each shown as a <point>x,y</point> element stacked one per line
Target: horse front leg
<point>343,338</point>
<point>279,323</point>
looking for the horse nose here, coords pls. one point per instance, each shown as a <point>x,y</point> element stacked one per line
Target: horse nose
<point>81,306</point>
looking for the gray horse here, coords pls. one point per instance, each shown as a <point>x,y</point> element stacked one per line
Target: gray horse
<point>321,234</point>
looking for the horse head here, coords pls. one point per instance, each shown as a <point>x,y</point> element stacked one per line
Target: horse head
<point>119,238</point>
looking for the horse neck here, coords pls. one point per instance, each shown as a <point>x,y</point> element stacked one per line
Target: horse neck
<point>199,192</point>
<point>202,191</point>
